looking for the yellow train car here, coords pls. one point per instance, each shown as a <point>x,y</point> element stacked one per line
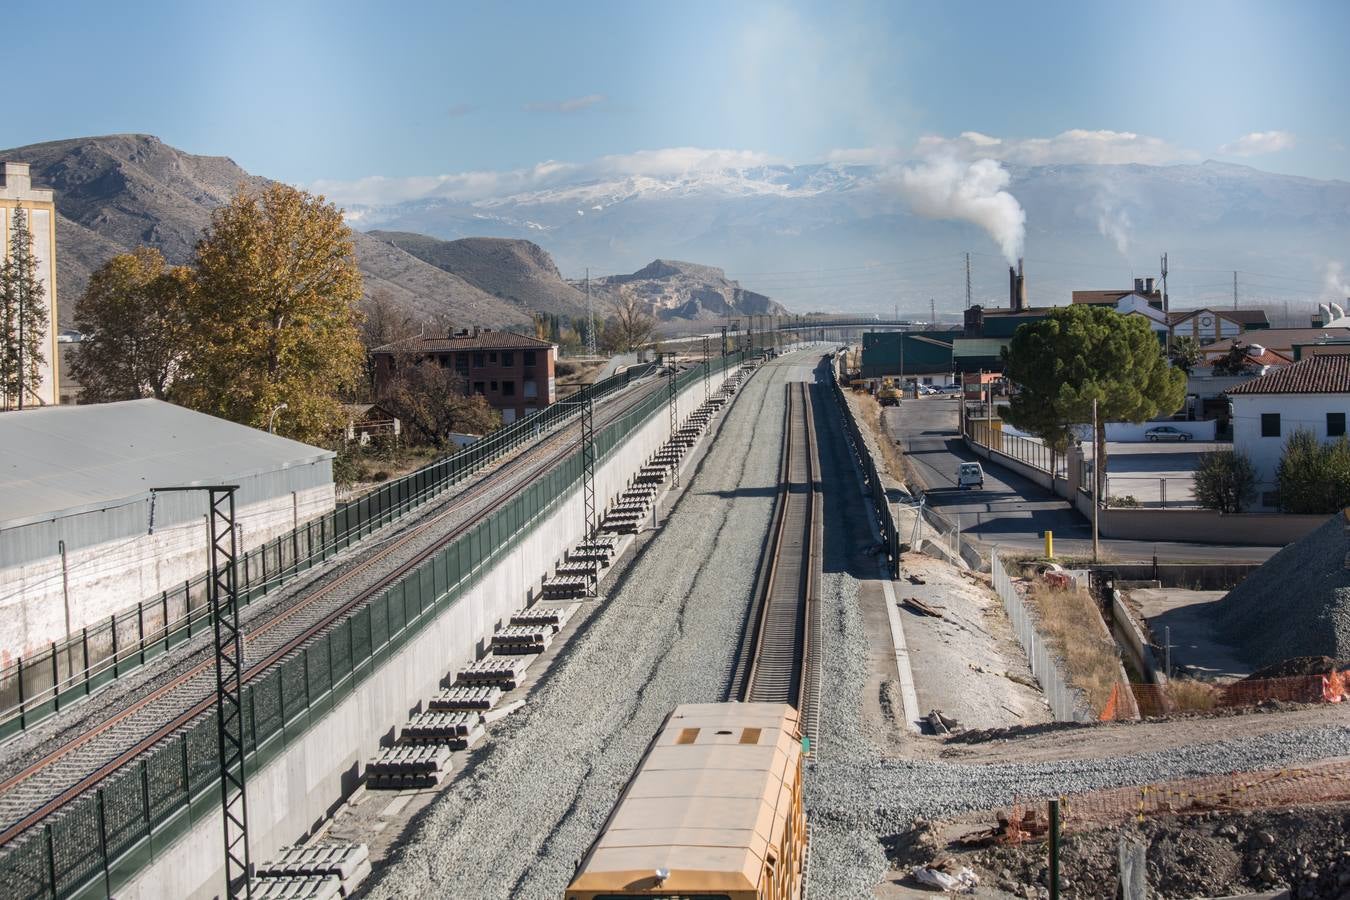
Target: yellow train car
<point>714,811</point>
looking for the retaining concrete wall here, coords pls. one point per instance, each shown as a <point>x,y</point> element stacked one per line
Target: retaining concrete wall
<point>1204,526</point>
<point>298,789</point>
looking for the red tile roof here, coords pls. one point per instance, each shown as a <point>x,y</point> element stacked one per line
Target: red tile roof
<point>1323,374</point>
<point>486,340</point>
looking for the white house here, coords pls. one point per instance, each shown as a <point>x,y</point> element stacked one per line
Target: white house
<point>1313,394</point>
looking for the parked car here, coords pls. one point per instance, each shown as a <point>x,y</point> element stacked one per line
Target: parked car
<point>969,474</point>
<point>1166,433</point>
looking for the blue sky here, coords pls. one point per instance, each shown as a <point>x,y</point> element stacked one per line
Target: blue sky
<point>308,91</point>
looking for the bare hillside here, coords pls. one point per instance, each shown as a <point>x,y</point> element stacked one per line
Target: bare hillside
<point>116,192</point>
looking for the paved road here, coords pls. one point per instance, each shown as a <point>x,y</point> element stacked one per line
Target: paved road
<point>1010,509</point>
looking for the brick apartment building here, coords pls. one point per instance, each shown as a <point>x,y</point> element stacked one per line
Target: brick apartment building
<point>514,372</point>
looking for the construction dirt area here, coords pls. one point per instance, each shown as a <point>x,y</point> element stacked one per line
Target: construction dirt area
<point>1248,795</point>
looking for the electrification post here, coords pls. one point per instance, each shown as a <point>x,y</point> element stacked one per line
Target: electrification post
<point>588,465</point>
<point>674,422</point>
<point>229,648</point>
<point>590,317</point>
<point>724,340</point>
<point>707,370</point>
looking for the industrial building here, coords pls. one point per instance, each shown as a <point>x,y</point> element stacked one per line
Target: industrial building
<point>513,372</point>
<point>17,193</point>
<point>82,538</point>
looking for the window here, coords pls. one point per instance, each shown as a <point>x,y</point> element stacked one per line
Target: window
<point>444,360</point>
<point>478,361</point>
<point>462,364</point>
<point>478,388</point>
<point>1335,424</point>
<point>531,389</point>
<point>529,357</point>
<point>494,385</point>
<point>1270,424</point>
<point>508,358</point>
<point>492,358</point>
<point>508,388</point>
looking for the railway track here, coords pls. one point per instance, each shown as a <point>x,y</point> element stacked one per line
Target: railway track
<point>64,773</point>
<point>778,659</point>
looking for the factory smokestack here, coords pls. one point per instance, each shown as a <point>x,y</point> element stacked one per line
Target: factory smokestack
<point>1012,288</point>
<point>1021,287</point>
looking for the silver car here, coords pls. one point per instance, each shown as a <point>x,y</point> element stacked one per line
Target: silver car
<point>1166,433</point>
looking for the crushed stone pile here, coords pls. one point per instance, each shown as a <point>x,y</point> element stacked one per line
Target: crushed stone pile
<point>1297,604</point>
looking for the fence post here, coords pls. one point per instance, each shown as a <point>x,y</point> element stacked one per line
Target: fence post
<point>112,626</point>
<point>140,628</point>
<point>164,598</point>
<point>84,651</point>
<point>145,795</point>
<point>56,682</point>
<point>51,856</point>
<point>22,705</point>
<point>103,842</point>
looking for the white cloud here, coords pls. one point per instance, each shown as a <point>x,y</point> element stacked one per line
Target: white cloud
<point>1259,142</point>
<point>1074,146</point>
<point>467,187</point>
<point>570,105</point>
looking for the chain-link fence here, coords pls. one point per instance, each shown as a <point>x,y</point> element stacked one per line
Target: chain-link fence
<point>1066,703</point>
<point>33,688</point>
<point>103,836</point>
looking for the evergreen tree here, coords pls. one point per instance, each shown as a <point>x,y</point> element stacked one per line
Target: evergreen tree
<point>23,319</point>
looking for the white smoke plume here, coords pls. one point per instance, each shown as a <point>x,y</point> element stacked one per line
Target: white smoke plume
<point>947,189</point>
<point>1335,286</point>
<point>1116,225</point>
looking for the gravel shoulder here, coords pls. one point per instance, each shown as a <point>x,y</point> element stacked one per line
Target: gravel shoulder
<point>516,821</point>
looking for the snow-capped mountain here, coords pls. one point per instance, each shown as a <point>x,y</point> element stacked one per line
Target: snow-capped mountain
<point>845,237</point>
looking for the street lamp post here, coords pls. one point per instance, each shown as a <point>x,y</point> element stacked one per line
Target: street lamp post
<point>272,417</point>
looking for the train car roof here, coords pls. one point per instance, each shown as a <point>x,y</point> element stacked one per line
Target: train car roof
<point>706,804</point>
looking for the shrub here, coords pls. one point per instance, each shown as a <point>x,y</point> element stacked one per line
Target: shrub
<point>1225,480</point>
<point>1314,477</point>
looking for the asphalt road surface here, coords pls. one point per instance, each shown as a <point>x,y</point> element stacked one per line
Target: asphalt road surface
<point>1011,510</point>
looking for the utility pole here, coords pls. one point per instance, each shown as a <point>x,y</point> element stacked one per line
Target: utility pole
<point>1235,294</point>
<point>590,316</point>
<point>967,281</point>
<point>1167,316</point>
<point>1096,483</point>
<point>724,340</point>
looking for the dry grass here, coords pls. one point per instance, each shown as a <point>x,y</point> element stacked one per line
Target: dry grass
<point>891,457</point>
<point>1069,620</point>
<point>1186,694</point>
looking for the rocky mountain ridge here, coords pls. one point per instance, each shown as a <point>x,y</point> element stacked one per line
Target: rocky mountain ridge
<point>673,289</point>
<point>117,192</point>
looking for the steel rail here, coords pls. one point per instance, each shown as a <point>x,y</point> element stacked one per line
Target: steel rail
<point>779,667</point>
<point>547,451</point>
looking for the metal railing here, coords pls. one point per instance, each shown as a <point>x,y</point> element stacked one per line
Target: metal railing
<point>35,687</point>
<point>99,840</point>
<point>1066,703</point>
<point>876,489</point>
<point>1025,450</point>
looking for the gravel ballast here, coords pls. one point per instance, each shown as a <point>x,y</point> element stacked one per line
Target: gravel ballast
<point>522,815</point>
<point>1305,588</point>
<point>858,792</point>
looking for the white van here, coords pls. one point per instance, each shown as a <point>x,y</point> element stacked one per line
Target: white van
<point>970,475</point>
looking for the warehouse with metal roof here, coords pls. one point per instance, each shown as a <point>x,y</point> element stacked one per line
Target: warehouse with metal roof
<point>81,536</point>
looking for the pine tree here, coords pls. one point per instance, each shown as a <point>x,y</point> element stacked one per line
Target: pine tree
<point>23,319</point>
